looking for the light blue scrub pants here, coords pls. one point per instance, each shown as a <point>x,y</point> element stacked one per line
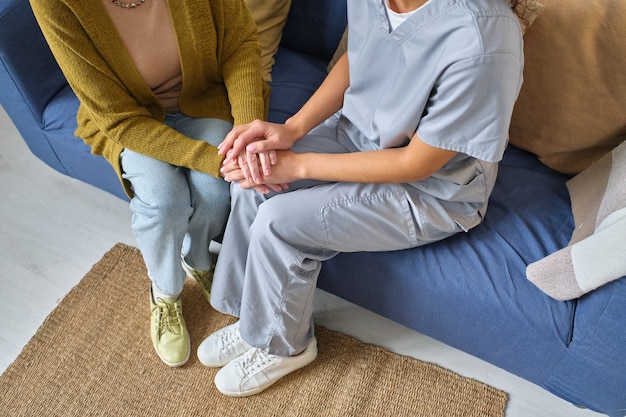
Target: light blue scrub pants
<point>274,244</point>
<point>177,210</point>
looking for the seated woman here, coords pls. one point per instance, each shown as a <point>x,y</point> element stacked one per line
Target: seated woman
<point>399,147</point>
<point>160,84</point>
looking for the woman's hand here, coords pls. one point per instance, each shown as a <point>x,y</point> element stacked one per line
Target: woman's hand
<point>273,135</point>
<point>254,145</point>
<point>233,170</point>
<point>253,166</point>
<point>286,170</point>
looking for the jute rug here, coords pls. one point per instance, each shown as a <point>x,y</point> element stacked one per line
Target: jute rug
<point>93,357</point>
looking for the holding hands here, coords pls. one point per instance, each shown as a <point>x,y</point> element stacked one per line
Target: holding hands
<point>257,156</point>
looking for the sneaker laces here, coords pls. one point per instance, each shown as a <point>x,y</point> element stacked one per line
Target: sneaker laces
<point>230,338</point>
<point>169,317</point>
<point>254,360</point>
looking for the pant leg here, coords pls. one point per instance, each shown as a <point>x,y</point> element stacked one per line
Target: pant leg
<point>290,237</point>
<point>210,196</point>
<point>228,280</point>
<point>273,248</point>
<point>175,207</point>
<point>161,209</point>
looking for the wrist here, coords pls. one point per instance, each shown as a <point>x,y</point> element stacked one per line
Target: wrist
<point>304,166</point>
<point>296,127</point>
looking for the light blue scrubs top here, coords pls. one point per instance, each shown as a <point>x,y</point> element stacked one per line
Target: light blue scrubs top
<point>451,72</point>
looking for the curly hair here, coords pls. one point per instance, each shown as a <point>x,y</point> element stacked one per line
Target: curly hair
<point>521,6</point>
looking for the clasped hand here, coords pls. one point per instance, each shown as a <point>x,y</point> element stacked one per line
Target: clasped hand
<point>257,156</point>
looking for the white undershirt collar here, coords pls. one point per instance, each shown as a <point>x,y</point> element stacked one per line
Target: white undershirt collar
<point>396,19</point>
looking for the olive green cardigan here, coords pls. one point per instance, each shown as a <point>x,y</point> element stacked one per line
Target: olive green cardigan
<point>220,61</point>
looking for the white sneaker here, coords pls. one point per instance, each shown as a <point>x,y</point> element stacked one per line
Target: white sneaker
<point>256,370</point>
<point>222,347</point>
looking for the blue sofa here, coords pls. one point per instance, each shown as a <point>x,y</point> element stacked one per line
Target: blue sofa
<point>470,291</point>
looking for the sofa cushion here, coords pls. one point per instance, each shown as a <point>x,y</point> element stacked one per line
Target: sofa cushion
<point>315,27</point>
<point>270,17</point>
<point>570,111</point>
<point>595,255</point>
<point>59,124</point>
<point>296,76</point>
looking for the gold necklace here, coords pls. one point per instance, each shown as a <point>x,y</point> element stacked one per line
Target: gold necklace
<point>132,5</point>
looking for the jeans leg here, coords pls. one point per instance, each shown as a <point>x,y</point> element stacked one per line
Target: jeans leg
<point>161,208</point>
<point>210,197</point>
<point>176,210</point>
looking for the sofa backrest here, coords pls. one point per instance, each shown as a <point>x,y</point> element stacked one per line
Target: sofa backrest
<point>28,71</point>
<point>314,27</point>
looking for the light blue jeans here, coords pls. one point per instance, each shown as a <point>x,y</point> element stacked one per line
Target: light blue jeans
<point>177,210</point>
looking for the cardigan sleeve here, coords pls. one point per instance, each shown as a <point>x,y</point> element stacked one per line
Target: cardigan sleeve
<point>241,63</point>
<point>109,112</point>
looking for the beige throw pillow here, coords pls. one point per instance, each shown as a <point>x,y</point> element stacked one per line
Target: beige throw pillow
<point>572,107</point>
<point>270,17</point>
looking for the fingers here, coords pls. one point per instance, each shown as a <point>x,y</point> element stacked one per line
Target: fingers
<point>233,173</point>
<point>250,166</point>
<point>227,143</point>
<point>254,168</point>
<point>263,189</point>
<point>260,146</point>
<point>241,136</point>
<point>266,163</point>
<point>237,139</point>
<point>243,166</point>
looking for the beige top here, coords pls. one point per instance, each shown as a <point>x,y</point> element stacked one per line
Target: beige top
<point>148,34</point>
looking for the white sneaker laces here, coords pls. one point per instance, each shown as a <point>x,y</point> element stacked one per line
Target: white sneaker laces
<point>230,338</point>
<point>254,360</point>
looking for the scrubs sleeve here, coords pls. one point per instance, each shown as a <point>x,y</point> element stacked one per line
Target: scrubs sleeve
<point>470,107</point>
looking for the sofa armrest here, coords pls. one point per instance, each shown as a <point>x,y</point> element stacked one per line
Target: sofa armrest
<point>28,71</point>
<point>29,77</point>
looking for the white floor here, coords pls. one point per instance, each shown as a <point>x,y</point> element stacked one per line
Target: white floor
<point>54,228</point>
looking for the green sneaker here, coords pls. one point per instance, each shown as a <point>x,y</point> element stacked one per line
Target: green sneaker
<point>204,278</point>
<point>168,331</point>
